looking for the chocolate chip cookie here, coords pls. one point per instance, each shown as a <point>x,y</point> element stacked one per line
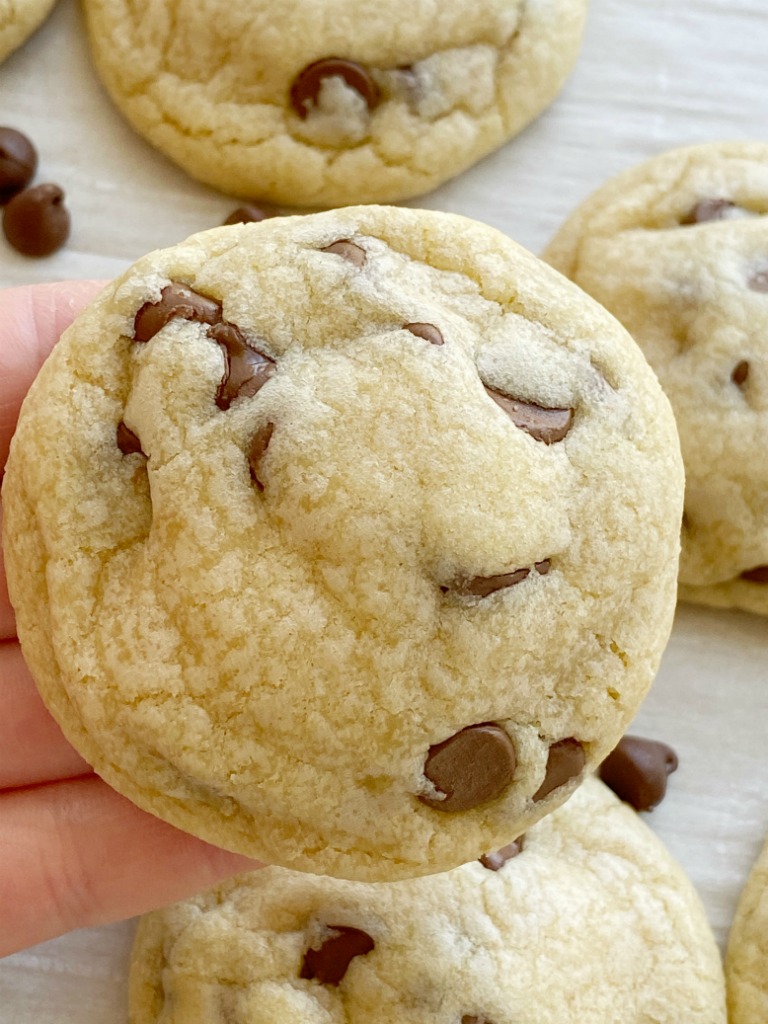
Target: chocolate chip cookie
<point>348,541</point>
<point>677,249</point>
<point>589,920</point>
<point>18,20</point>
<point>326,103</point>
<point>746,962</point>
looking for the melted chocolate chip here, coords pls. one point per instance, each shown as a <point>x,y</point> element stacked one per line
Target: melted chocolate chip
<point>565,761</point>
<point>36,222</point>
<point>246,371</point>
<point>496,861</point>
<point>483,586</point>
<point>637,771</point>
<point>127,441</point>
<point>347,250</point>
<point>757,575</point>
<point>18,163</point>
<point>426,331</point>
<point>740,372</point>
<point>258,449</point>
<point>176,300</point>
<point>305,89</point>
<point>547,425</point>
<point>329,963</point>
<point>248,213</point>
<point>710,209</point>
<point>471,768</point>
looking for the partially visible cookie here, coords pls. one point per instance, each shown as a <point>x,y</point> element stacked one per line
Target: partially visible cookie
<point>326,102</point>
<point>677,249</point>
<point>591,921</point>
<point>746,962</point>
<point>18,20</point>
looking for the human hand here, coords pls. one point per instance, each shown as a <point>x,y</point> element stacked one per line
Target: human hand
<point>73,853</point>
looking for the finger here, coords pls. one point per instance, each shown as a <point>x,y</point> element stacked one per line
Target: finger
<point>32,746</point>
<point>32,319</point>
<point>77,854</point>
<point>7,619</point>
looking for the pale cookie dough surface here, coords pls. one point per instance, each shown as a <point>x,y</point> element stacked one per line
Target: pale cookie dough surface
<point>18,20</point>
<point>265,630</point>
<point>592,922</point>
<point>439,87</point>
<point>747,958</point>
<point>695,298</point>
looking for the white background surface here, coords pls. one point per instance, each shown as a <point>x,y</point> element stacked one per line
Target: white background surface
<point>653,74</point>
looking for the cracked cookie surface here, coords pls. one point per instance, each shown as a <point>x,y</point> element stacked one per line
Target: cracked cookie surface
<point>677,249</point>
<point>18,20</point>
<point>746,962</point>
<point>325,103</point>
<point>591,921</point>
<point>348,541</point>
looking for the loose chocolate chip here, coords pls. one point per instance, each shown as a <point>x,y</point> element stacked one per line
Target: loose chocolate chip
<point>483,586</point>
<point>258,448</point>
<point>329,963</point>
<point>637,771</point>
<point>127,441</point>
<point>18,163</point>
<point>543,567</point>
<point>348,251</point>
<point>246,371</point>
<point>711,209</point>
<point>757,575</point>
<point>740,372</point>
<point>426,331</point>
<point>758,282</point>
<point>176,300</point>
<point>471,768</point>
<point>307,84</point>
<point>566,760</point>
<point>36,222</point>
<point>496,861</point>
<point>248,213</point>
<point>547,425</point>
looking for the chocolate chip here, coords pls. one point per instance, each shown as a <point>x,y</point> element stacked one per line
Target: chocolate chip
<point>307,84</point>
<point>127,441</point>
<point>471,768</point>
<point>36,222</point>
<point>470,1019</point>
<point>426,331</point>
<point>483,586</point>
<point>712,209</point>
<point>637,771</point>
<point>543,567</point>
<point>496,861</point>
<point>176,300</point>
<point>248,213</point>
<point>348,251</point>
<point>246,370</point>
<point>329,963</point>
<point>740,372</point>
<point>757,575</point>
<point>258,448</point>
<point>547,425</point>
<point>18,163</point>
<point>565,761</point>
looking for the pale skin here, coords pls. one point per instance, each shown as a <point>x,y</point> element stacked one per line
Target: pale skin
<point>73,853</point>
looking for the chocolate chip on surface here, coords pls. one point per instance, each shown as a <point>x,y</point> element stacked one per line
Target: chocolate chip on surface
<point>471,1019</point>
<point>176,300</point>
<point>127,441</point>
<point>329,963</point>
<point>711,209</point>
<point>471,768</point>
<point>566,760</point>
<point>637,771</point>
<point>36,222</point>
<point>348,251</point>
<point>483,586</point>
<point>258,449</point>
<point>18,163</point>
<point>495,861</point>
<point>248,213</point>
<point>740,372</point>
<point>757,575</point>
<point>543,567</point>
<point>246,370</point>
<point>306,87</point>
<point>426,331</point>
<point>547,425</point>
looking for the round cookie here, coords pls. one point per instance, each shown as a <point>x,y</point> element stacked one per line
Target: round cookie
<point>677,249</point>
<point>746,962</point>
<point>592,921</point>
<point>348,541</point>
<point>18,20</point>
<point>326,103</point>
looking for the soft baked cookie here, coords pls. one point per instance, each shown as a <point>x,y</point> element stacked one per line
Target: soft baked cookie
<point>325,103</point>
<point>18,20</point>
<point>588,918</point>
<point>349,541</point>
<point>677,249</point>
<point>746,962</point>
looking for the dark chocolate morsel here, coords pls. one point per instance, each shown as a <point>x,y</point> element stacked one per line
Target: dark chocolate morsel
<point>348,251</point>
<point>307,84</point>
<point>18,163</point>
<point>329,963</point>
<point>543,567</point>
<point>565,761</point>
<point>483,586</point>
<point>36,222</point>
<point>246,370</point>
<point>495,861</point>
<point>757,575</point>
<point>547,425</point>
<point>740,372</point>
<point>176,300</point>
<point>256,452</point>
<point>426,331</point>
<point>469,769</point>
<point>127,441</point>
<point>637,771</point>
<point>248,213</point>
